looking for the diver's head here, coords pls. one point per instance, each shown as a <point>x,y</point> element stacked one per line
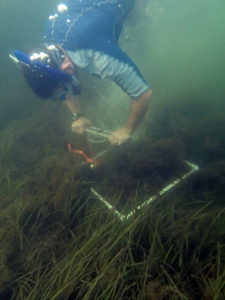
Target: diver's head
<point>48,71</point>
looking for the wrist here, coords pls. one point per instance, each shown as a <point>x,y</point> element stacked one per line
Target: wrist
<point>128,130</point>
<point>76,116</point>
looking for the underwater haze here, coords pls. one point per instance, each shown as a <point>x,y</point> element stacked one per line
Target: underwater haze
<point>178,45</point>
<point>57,240</point>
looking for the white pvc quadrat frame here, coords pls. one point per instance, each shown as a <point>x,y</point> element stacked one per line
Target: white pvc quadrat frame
<point>160,194</point>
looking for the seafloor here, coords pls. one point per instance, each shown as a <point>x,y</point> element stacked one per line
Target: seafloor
<point>59,242</point>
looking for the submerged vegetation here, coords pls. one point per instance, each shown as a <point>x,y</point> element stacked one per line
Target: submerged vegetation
<point>58,242</point>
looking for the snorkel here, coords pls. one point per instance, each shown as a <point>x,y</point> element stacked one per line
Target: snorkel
<point>42,73</point>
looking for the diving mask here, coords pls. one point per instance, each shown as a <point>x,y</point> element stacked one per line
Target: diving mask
<point>43,74</point>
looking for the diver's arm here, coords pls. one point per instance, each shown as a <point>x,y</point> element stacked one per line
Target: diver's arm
<point>138,110</point>
<point>74,105</point>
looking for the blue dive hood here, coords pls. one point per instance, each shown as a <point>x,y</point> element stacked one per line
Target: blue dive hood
<point>42,77</point>
<point>42,68</point>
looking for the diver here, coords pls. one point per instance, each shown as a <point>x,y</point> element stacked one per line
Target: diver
<point>84,34</point>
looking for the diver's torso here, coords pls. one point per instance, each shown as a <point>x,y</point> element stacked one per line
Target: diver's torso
<point>89,31</point>
<point>85,23</point>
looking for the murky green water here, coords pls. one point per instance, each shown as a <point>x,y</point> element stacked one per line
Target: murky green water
<point>52,227</point>
<point>178,45</point>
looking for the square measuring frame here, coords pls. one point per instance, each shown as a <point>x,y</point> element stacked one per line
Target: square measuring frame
<point>94,132</point>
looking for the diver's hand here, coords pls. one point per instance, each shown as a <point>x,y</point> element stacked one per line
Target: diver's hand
<point>79,126</point>
<point>120,136</point>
